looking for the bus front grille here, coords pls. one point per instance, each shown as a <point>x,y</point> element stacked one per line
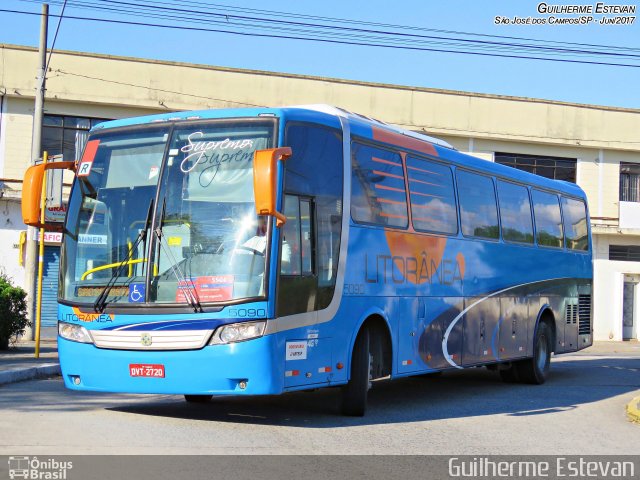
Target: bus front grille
<point>151,340</point>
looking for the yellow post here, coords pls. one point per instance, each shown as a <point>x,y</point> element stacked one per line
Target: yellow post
<point>43,207</point>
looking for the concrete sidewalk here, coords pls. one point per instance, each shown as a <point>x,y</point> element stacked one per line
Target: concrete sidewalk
<point>19,362</point>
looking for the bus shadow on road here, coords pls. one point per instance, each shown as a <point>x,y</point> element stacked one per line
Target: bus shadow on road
<point>458,394</point>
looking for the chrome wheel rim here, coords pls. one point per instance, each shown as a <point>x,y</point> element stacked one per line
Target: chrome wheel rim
<point>542,353</point>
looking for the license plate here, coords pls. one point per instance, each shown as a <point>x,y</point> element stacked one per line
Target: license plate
<point>146,370</point>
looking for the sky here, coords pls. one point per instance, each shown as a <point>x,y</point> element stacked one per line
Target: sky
<point>569,82</point>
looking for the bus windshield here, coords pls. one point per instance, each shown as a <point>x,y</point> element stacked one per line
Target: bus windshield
<point>166,215</point>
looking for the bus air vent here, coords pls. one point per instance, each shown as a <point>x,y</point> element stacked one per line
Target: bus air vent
<point>584,314</point>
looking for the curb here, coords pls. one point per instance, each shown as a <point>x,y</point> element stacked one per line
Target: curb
<point>21,374</point>
<point>633,410</point>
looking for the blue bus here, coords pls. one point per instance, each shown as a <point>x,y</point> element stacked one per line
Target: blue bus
<point>263,251</point>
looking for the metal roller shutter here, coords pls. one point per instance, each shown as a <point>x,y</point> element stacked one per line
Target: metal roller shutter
<point>50,286</point>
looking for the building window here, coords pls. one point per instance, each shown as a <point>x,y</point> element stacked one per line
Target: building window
<point>625,253</point>
<point>66,136</point>
<point>629,182</point>
<point>556,168</point>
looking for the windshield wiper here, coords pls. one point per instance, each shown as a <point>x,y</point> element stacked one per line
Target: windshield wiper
<point>188,289</point>
<point>101,301</point>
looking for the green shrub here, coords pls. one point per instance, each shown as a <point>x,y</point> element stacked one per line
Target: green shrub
<point>13,312</point>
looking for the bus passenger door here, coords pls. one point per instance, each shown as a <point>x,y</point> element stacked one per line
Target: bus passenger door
<point>309,250</point>
<point>307,350</point>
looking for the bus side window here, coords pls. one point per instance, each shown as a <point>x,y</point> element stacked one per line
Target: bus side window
<point>478,209</point>
<point>433,202</point>
<point>378,192</point>
<point>515,213</point>
<point>306,251</point>
<point>546,210</point>
<point>575,224</point>
<point>296,253</point>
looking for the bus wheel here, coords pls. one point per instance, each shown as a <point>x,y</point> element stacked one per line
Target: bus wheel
<point>535,370</point>
<point>354,393</point>
<point>198,398</point>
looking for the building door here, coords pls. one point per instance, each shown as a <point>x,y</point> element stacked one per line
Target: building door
<point>628,310</point>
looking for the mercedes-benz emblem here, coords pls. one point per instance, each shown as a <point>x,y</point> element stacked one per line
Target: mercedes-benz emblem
<point>146,340</point>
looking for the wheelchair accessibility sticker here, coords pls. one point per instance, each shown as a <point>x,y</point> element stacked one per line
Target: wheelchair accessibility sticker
<point>136,293</point>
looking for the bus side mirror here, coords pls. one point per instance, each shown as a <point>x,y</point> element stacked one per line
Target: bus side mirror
<point>32,191</point>
<point>265,181</point>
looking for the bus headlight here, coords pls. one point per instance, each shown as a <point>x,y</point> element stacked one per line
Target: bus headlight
<point>75,333</point>
<point>238,332</point>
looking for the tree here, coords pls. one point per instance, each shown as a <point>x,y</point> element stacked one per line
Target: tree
<point>13,312</point>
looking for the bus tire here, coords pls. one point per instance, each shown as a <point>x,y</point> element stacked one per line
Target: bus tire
<point>535,370</point>
<point>198,398</point>
<point>354,393</point>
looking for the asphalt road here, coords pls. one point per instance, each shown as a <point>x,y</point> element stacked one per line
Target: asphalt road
<point>580,410</point>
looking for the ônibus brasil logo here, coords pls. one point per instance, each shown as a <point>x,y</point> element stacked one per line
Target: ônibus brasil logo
<point>33,468</point>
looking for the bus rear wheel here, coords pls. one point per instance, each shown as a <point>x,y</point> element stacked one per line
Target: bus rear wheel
<point>354,393</point>
<point>536,369</point>
<point>198,398</point>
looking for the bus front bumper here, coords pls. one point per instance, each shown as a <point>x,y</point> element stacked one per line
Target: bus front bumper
<point>244,368</point>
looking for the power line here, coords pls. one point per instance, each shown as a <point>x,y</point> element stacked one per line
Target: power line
<point>334,41</point>
<point>133,10</point>
<point>367,31</point>
<point>151,4</point>
<point>383,25</point>
<point>55,37</point>
<point>148,10</point>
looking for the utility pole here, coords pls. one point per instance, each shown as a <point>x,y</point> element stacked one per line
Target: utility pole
<point>36,152</point>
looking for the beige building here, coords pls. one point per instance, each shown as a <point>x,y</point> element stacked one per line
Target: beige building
<point>597,147</point>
